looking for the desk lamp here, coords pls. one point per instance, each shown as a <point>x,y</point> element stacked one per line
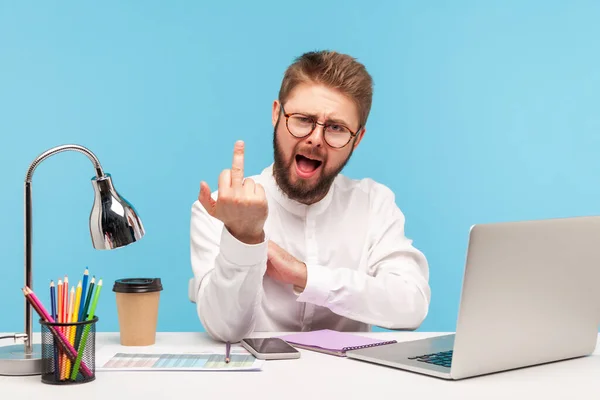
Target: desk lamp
<point>114,223</point>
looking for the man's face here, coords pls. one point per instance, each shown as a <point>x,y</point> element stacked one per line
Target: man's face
<point>304,168</point>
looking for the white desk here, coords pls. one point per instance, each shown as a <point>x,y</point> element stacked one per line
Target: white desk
<point>314,376</point>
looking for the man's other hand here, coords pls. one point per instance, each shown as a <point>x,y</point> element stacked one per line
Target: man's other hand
<point>285,268</point>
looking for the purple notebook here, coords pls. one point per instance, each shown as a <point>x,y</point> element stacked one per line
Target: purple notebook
<point>332,342</point>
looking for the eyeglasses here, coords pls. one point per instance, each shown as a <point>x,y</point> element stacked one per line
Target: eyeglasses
<point>300,125</point>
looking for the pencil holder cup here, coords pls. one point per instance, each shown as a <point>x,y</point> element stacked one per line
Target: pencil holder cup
<point>68,352</point>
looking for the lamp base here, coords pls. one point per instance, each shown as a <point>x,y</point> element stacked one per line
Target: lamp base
<point>14,361</point>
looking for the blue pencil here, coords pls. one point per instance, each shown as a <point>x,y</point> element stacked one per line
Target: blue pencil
<point>83,290</point>
<point>53,299</point>
<point>55,316</point>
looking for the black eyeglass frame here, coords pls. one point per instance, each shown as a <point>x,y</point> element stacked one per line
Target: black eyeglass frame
<point>314,125</point>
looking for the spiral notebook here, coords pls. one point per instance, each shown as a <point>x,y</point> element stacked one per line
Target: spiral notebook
<point>332,342</point>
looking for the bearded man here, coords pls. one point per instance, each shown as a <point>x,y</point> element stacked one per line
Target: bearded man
<point>301,247</point>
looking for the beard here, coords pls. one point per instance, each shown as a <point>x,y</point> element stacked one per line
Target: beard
<point>302,191</point>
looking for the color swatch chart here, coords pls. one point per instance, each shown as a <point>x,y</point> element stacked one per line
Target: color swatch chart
<point>180,362</point>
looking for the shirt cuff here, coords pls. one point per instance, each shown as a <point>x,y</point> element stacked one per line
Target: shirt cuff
<point>240,253</point>
<point>317,285</point>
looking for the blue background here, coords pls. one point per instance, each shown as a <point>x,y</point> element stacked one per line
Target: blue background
<point>483,111</point>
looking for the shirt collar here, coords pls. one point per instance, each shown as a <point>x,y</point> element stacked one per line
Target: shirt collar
<point>291,205</point>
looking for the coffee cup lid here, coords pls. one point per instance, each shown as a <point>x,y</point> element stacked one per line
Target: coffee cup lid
<point>137,285</point>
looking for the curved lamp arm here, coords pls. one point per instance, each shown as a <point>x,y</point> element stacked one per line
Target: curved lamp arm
<point>60,149</point>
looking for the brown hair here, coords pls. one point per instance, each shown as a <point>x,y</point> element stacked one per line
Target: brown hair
<point>335,70</point>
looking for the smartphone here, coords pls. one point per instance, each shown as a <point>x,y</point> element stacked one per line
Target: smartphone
<point>270,348</point>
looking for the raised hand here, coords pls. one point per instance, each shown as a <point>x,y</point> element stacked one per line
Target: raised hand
<point>241,203</point>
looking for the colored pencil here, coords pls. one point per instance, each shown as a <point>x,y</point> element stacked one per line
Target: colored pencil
<point>69,328</point>
<point>53,299</point>
<point>88,299</point>
<point>84,311</point>
<point>54,313</point>
<point>86,330</point>
<point>76,307</point>
<point>59,296</point>
<point>39,308</point>
<point>59,302</point>
<point>80,310</point>
<point>227,352</point>
<point>71,303</point>
<point>74,314</point>
<point>59,316</point>
<point>65,298</point>
<point>84,285</point>
<point>65,311</point>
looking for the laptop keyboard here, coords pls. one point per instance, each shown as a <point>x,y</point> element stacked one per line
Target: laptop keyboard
<point>442,358</point>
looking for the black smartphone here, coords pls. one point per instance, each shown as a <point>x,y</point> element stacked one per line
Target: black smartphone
<point>270,348</point>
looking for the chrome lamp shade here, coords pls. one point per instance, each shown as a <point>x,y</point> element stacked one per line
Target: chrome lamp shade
<point>114,223</point>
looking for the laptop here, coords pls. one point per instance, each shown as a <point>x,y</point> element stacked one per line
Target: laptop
<point>530,295</point>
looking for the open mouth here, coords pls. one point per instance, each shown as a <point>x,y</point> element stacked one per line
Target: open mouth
<point>306,167</point>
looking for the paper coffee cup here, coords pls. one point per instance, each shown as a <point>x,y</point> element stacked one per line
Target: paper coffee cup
<point>137,309</point>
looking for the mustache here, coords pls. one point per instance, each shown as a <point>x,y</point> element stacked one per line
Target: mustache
<point>311,152</point>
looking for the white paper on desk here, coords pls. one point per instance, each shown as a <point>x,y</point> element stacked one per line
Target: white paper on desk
<point>206,360</point>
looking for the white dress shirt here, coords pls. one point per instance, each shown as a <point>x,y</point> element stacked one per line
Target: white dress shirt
<point>362,269</point>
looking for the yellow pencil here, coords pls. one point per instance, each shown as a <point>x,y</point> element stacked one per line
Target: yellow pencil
<point>69,329</point>
<point>76,308</point>
<point>75,315</point>
<point>65,319</point>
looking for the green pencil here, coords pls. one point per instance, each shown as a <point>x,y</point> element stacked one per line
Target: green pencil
<point>86,331</point>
